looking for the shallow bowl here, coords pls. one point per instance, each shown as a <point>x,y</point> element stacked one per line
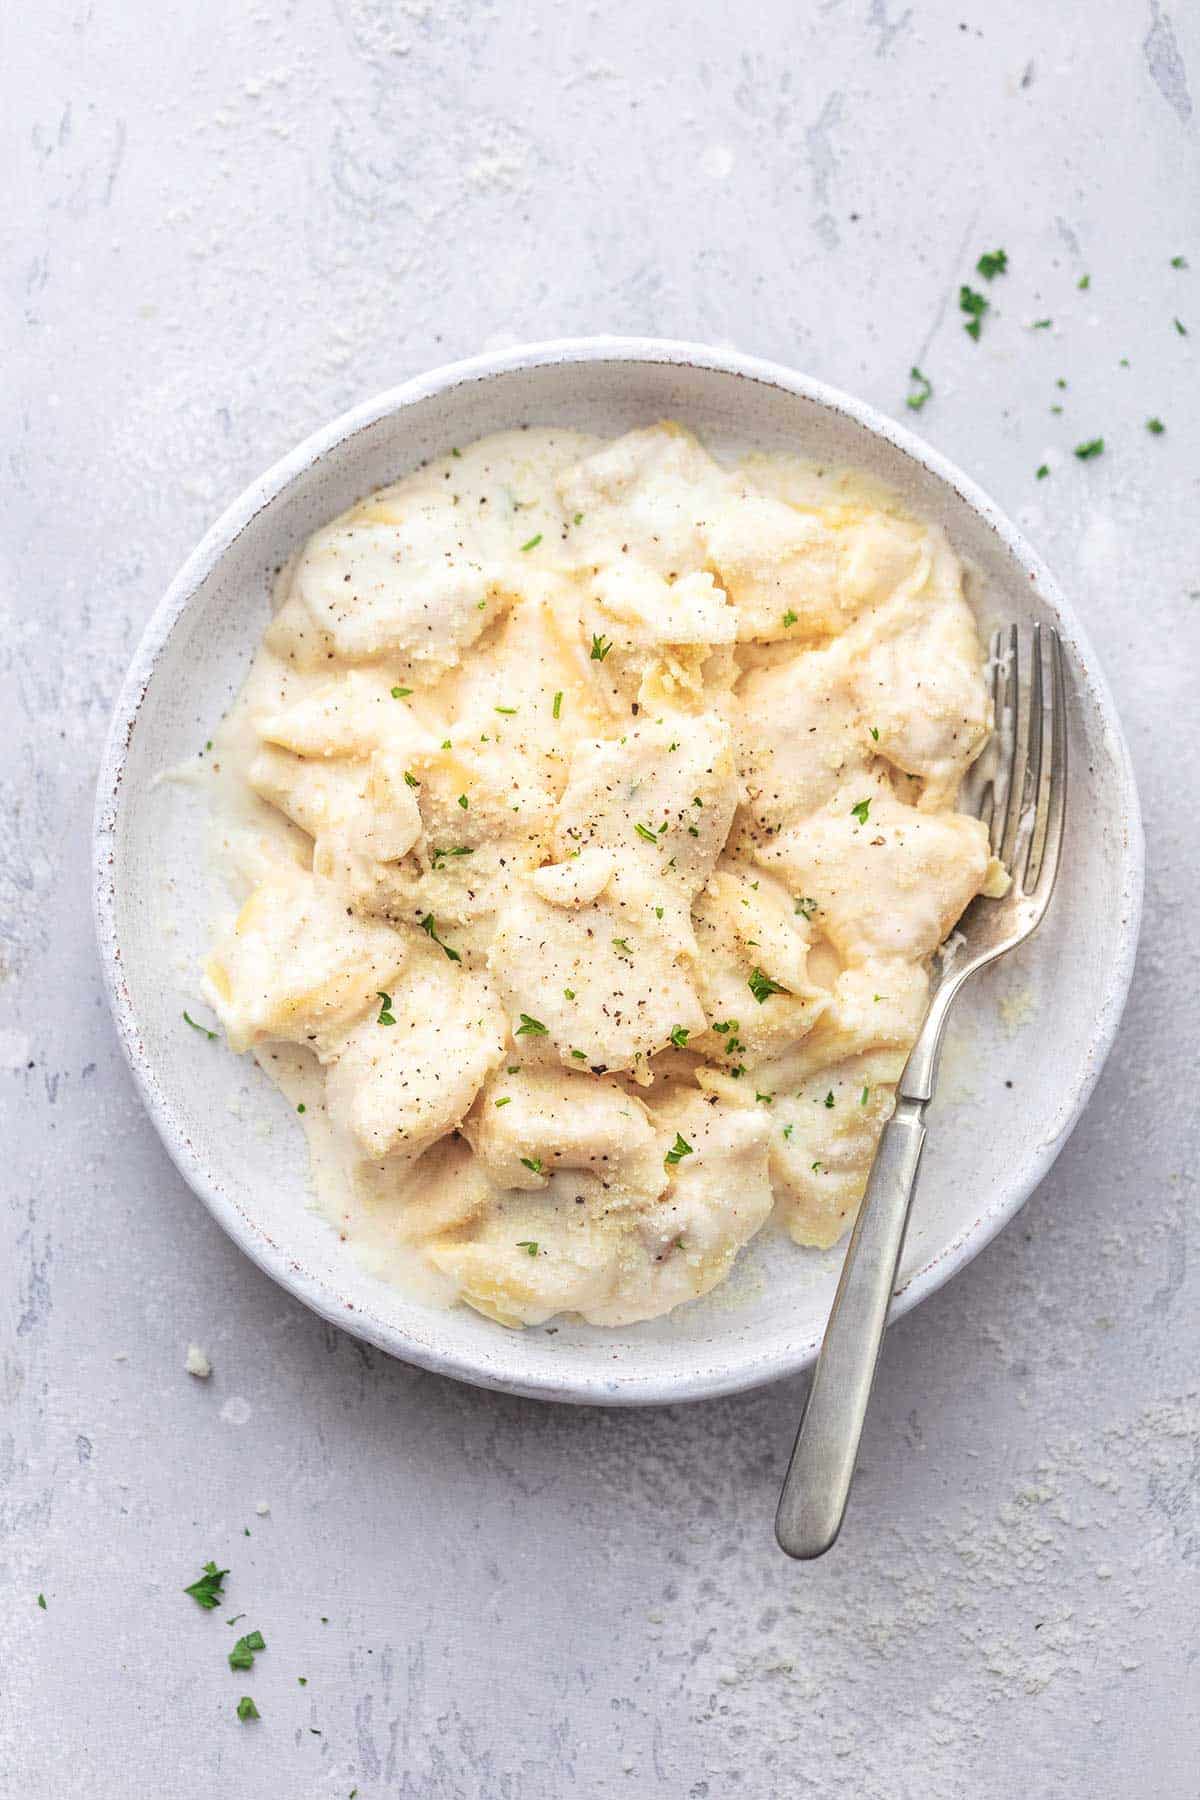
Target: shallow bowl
<point>1029,1037</point>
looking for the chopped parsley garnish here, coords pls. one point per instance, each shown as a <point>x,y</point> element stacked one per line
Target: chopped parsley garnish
<point>789,617</point>
<point>530,1027</point>
<point>386,1015</point>
<point>864,1096</point>
<point>42,1602</point>
<point>974,305</point>
<point>861,812</point>
<point>766,1099</point>
<point>874,730</point>
<point>762,987</point>
<point>1093,447</point>
<point>648,833</point>
<point>1181,328</point>
<point>623,945</point>
<point>578,519</point>
<point>206,1589</point>
<point>410,779</point>
<point>921,390</point>
<point>568,993</point>
<point>1155,427</point>
<point>788,1130</point>
<point>401,693</point>
<point>1085,281</point>
<point>815,1167</point>
<point>508,711</point>
<point>829,1098</point>
<point>430,929</point>
<point>806,908</point>
<point>529,1245</point>
<point>1043,469</point>
<point>463,802</point>
<point>246,1709</point>
<point>201,1028</point>
<point>1042,324</point>
<point>456,453</point>
<point>1179,262</point>
<point>439,856</point>
<point>302,1107</point>
<point>556,709</point>
<point>992,263</point>
<point>504,1100</point>
<point>600,647</point>
<point>658,912</point>
<point>242,1654</point>
<point>579,1055</point>
<point>679,1149</point>
<point>680,1036</point>
<point>533,542</point>
<point>532,1163</point>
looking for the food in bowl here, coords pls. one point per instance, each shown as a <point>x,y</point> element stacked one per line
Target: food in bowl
<point>592,805</point>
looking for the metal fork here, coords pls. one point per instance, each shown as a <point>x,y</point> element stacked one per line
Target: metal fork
<point>1019,789</point>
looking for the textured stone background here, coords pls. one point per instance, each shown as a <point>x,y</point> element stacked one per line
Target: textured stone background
<point>228,223</point>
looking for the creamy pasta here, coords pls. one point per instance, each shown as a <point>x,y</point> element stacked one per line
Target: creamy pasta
<point>601,831</point>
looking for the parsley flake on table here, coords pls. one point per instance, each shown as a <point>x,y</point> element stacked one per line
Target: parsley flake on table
<point>874,730</point>
<point>921,389</point>
<point>206,1589</point>
<point>410,779</point>
<point>1043,469</point>
<point>600,647</point>
<point>533,542</point>
<point>680,1036</point>
<point>974,305</point>
<point>42,1602</point>
<point>788,1130</point>
<point>430,929</point>
<point>401,693</point>
<point>242,1654</point>
<point>829,1098</point>
<point>529,1245</point>
<point>623,945</point>
<point>246,1709</point>
<point>864,1096</point>
<point>790,618</point>
<point>1093,447</point>
<point>1042,324</point>
<point>530,1027</point>
<point>679,1149</point>
<point>1179,262</point>
<point>556,709</point>
<point>761,986</point>
<point>647,833</point>
<point>578,519</point>
<point>302,1107</point>
<point>203,1029</point>
<point>861,811</point>
<point>508,711</point>
<point>991,264</point>
<point>504,1100</point>
<point>1181,328</point>
<point>532,1163</point>
<point>386,1015</point>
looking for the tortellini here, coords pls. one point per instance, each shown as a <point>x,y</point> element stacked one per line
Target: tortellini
<point>605,829</point>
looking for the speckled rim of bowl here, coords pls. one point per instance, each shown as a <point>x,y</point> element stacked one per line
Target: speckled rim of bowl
<point>275,1259</point>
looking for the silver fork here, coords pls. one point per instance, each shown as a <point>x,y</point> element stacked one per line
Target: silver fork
<point>1020,792</point>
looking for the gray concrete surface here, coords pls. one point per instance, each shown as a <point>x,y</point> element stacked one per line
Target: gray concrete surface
<point>227,223</point>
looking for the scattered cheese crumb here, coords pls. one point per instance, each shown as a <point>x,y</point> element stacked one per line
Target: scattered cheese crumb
<point>197,1363</point>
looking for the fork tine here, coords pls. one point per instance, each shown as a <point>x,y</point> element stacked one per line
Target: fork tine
<point>1006,693</point>
<point>1018,768</point>
<point>1031,824</point>
<point>1056,797</point>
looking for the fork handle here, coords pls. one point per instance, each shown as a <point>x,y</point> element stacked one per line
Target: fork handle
<point>817,1485</point>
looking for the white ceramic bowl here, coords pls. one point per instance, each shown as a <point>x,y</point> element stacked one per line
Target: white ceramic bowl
<point>1042,1021</point>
